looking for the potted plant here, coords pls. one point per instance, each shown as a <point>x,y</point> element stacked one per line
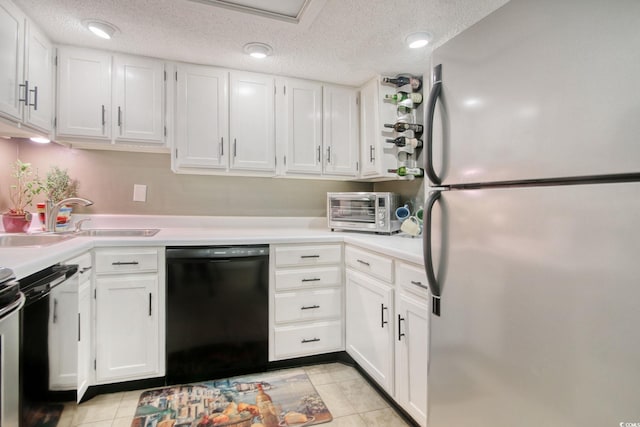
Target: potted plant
<point>59,186</point>
<point>21,194</point>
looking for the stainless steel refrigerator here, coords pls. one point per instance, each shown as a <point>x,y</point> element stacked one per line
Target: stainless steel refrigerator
<point>532,224</point>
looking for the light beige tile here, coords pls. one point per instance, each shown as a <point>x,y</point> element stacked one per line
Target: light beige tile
<point>348,421</point>
<point>333,396</point>
<point>127,408</point>
<point>104,398</point>
<point>341,372</point>
<point>319,374</point>
<point>361,395</point>
<point>93,412</point>
<point>122,422</point>
<point>383,418</point>
<point>96,424</point>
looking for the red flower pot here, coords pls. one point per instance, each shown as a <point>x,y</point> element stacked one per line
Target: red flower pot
<point>16,223</point>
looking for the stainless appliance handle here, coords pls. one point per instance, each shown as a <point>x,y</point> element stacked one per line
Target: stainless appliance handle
<point>436,90</point>
<point>434,286</point>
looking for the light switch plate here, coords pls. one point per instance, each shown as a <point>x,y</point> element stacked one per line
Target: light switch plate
<point>139,193</point>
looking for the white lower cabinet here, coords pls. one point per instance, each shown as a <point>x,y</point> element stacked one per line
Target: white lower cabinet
<point>129,314</point>
<point>412,340</point>
<point>369,317</point>
<point>84,333</point>
<point>387,325</point>
<point>306,300</point>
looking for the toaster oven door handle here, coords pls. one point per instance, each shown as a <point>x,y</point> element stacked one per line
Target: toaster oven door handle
<point>359,199</point>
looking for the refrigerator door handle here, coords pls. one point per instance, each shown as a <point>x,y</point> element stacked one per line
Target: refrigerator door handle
<point>434,287</point>
<point>431,109</point>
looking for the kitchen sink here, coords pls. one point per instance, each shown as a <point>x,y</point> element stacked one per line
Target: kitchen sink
<point>119,232</point>
<point>32,240</point>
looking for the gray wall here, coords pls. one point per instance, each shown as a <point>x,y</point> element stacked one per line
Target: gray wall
<point>107,178</point>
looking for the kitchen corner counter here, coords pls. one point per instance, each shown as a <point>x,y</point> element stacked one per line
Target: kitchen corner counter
<point>201,231</point>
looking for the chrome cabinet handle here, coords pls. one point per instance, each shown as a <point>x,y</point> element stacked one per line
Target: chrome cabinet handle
<point>78,327</point>
<point>309,256</point>
<point>150,304</point>
<point>305,341</point>
<point>372,150</point>
<point>26,93</point>
<point>382,310</point>
<point>119,117</point>
<point>125,263</point>
<point>419,284</point>
<point>319,154</point>
<point>35,98</point>
<point>235,148</point>
<point>104,121</point>
<point>221,146</point>
<point>329,154</point>
<point>315,279</point>
<point>363,262</point>
<point>309,307</point>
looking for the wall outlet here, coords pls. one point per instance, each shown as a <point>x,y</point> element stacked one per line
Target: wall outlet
<point>139,193</point>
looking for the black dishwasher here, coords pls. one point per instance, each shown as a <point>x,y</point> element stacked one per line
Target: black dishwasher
<point>217,311</point>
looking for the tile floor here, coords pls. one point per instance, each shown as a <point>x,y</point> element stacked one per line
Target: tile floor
<point>349,397</point>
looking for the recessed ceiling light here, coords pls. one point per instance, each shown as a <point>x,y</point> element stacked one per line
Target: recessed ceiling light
<point>258,50</point>
<point>418,40</point>
<point>100,28</point>
<point>40,140</point>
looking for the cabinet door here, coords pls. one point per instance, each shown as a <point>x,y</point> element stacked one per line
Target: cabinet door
<point>138,99</point>
<point>369,129</point>
<point>84,93</point>
<point>202,113</point>
<point>39,73</point>
<point>63,321</point>
<point>127,327</point>
<point>304,126</point>
<point>11,59</point>
<point>412,354</point>
<point>340,130</point>
<point>84,337</point>
<point>369,317</point>
<point>252,122</point>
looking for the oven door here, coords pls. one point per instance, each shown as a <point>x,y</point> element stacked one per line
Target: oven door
<point>353,212</point>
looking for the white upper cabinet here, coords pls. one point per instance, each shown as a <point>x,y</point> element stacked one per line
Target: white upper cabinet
<point>11,59</point>
<point>340,130</point>
<point>38,71</point>
<point>303,134</point>
<point>84,93</point>
<point>138,99</point>
<point>252,122</point>
<point>26,71</point>
<point>376,156</point>
<point>89,79</point>
<point>202,117</point>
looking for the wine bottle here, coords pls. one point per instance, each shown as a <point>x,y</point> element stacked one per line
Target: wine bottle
<point>405,171</point>
<point>403,141</point>
<point>266,408</point>
<point>403,127</point>
<point>403,80</point>
<point>414,97</point>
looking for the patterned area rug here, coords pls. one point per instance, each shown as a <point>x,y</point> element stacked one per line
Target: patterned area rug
<point>272,399</point>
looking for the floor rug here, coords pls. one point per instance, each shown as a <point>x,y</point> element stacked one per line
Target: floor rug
<point>271,399</point>
<point>41,415</point>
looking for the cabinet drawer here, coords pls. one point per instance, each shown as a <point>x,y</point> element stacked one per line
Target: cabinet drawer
<point>308,277</point>
<point>308,305</point>
<point>127,260</point>
<point>291,256</point>
<point>304,340</point>
<point>371,263</point>
<point>412,278</point>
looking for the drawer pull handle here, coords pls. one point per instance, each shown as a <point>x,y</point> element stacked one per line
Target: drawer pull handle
<point>413,282</point>
<point>309,256</point>
<point>364,262</point>
<point>315,279</point>
<point>309,307</point>
<point>125,263</point>
<point>400,334</point>
<point>382,310</point>
<point>150,304</point>
<point>308,341</point>
<point>84,270</point>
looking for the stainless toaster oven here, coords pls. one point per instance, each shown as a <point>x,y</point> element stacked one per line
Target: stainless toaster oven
<point>373,212</point>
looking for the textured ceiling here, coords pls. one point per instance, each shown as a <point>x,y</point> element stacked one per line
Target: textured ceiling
<point>348,42</point>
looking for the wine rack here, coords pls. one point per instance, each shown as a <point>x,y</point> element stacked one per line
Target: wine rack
<point>408,103</point>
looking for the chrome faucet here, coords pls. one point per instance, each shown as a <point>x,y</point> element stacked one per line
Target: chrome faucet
<point>51,210</point>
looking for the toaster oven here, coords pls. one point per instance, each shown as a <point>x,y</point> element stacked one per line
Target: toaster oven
<point>372,212</point>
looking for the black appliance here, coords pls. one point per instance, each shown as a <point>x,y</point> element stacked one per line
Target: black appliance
<point>217,312</point>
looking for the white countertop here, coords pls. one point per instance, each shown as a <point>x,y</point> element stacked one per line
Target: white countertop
<point>195,231</point>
